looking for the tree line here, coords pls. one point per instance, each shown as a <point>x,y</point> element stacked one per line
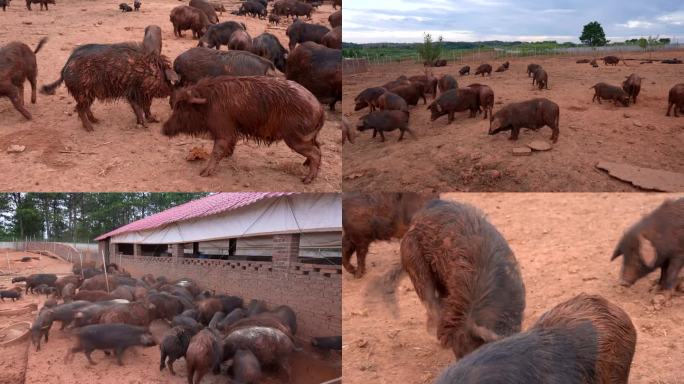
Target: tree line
<point>78,217</point>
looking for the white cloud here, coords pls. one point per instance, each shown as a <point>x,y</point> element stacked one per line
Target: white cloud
<point>676,18</point>
<point>631,24</point>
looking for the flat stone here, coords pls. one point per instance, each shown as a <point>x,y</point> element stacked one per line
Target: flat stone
<point>637,124</point>
<point>626,115</point>
<point>540,145</point>
<point>645,178</point>
<point>14,148</point>
<point>522,151</point>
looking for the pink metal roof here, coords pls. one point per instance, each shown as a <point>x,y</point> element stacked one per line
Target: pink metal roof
<point>207,206</point>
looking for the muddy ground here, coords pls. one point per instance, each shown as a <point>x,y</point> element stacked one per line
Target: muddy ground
<point>462,157</point>
<point>563,243</point>
<point>60,155</point>
<point>22,364</point>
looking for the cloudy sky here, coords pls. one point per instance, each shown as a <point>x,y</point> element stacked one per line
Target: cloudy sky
<point>366,21</point>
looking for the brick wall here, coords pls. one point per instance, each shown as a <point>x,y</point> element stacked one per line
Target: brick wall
<point>313,291</point>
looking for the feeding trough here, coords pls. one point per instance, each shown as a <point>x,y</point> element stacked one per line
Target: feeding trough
<point>15,333</point>
<point>19,311</point>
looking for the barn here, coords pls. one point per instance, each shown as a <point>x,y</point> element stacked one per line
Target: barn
<point>283,248</point>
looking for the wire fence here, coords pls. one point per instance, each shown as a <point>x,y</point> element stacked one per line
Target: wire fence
<point>360,60</point>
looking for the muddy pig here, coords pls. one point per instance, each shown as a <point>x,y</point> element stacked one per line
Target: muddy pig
<point>43,289</point>
<point>392,101</point>
<point>484,69</point>
<point>632,86</point>
<point>270,346</point>
<point>204,353</point>
<point>152,41</point>
<point>41,327</point>
<point>485,97</point>
<point>33,281</point>
<point>65,313</point>
<point>464,71</point>
<point>532,114</point>
<point>318,69</point>
<point>240,41</point>
<point>428,81</point>
<point>541,78</point>
<point>206,8</point>
<point>116,337</point>
<point>198,63</point>
<point>368,98</point>
<point>385,121</point>
<point>446,82</point>
<point>455,100</point>
<point>174,345</point>
<point>131,313</point>
<point>452,250</point>
<point>220,34</point>
<point>268,46</point>
<point>410,92</point>
<point>375,216</point>
<point>335,19</point>
<point>532,68</point>
<point>583,340</point>
<point>301,32</point>
<point>287,316</point>
<point>234,316</point>
<point>216,319</point>
<point>184,17</point>
<point>18,64</point>
<point>207,308</point>
<point>246,368</point>
<point>10,294</point>
<point>125,7</point>
<point>675,98</point>
<point>610,92</point>
<point>93,296</point>
<point>611,60</point>
<point>656,241</point>
<point>165,306</point>
<point>333,39</point>
<point>277,110</point>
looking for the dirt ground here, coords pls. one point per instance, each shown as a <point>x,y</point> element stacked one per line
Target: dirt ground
<point>60,155</point>
<point>563,243</point>
<point>22,364</point>
<point>462,157</point>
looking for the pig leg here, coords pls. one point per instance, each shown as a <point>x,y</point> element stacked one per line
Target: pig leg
<point>148,113</point>
<point>418,269</point>
<point>137,109</point>
<point>375,132</point>
<point>91,117</point>
<point>119,354</point>
<point>348,250</point>
<point>223,147</point>
<point>32,81</point>
<point>670,274</point>
<point>19,105</point>
<point>382,136</point>
<point>90,359</point>
<point>170,364</point>
<point>450,118</point>
<point>514,133</point>
<point>312,151</point>
<point>82,107</point>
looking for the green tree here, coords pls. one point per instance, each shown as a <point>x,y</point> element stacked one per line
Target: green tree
<point>643,43</point>
<point>430,51</point>
<point>665,40</point>
<point>593,35</point>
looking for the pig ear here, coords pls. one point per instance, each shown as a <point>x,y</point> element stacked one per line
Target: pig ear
<point>616,253</point>
<point>647,252</point>
<point>171,76</point>
<point>486,334</point>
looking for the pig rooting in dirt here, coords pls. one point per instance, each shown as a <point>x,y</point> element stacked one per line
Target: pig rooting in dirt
<point>268,110</point>
<point>465,275</point>
<point>610,92</point>
<point>632,86</point>
<point>385,121</point>
<point>656,241</point>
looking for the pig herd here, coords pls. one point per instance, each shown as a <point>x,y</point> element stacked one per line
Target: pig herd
<point>476,98</point>
<point>469,281</point>
<point>280,91</point>
<point>213,332</point>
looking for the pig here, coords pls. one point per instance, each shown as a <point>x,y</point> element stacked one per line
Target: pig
<point>675,98</point>
<point>375,216</point>
<point>333,39</point>
<point>253,9</point>
<point>204,352</point>
<point>287,316</point>
<point>41,327</point>
<point>318,69</point>
<point>10,294</point>
<point>455,100</point>
<point>18,64</point>
<point>500,68</point>
<point>484,69</point>
<point>125,7</point>
<point>69,279</point>
<point>411,92</point>
<point>586,339</point>
<point>263,319</point>
<point>655,241</point>
<point>385,121</point>
<point>256,307</point>
<point>43,289</point>
<point>336,3</point>
<point>485,97</point>
<point>532,68</point>
<point>218,7</point>
<point>465,275</point>
<point>246,368</point>
<point>464,71</point>
<point>206,8</point>
<point>270,346</point>
<point>184,17</point>
<point>198,63</point>
<point>231,318</point>
<point>207,308</point>
<point>220,34</point>
<point>93,296</point>
<point>335,19</point>
<point>116,337</point>
<point>439,63</point>
<point>68,292</point>
<point>136,5</point>
<point>36,280</point>
<point>132,74</point>
<point>186,322</point>
<point>240,41</point>
<point>327,343</point>
<point>65,313</point>
<point>611,60</point>
<point>123,292</point>
<point>583,61</point>
<point>301,32</point>
<point>632,86</point>
<point>446,82</point>
<point>166,306</point>
<point>428,81</point>
<point>174,345</point>
<point>4,4</point>
<point>541,78</point>
<point>268,46</point>
<point>301,9</point>
<point>216,319</point>
<point>347,131</point>
<point>368,98</point>
<point>91,314</point>
<point>593,63</point>
<point>43,3</point>
<point>152,41</point>
<point>392,101</point>
<point>273,19</point>
<point>131,313</point>
<point>506,65</point>
<point>609,92</point>
<point>277,110</point>
<point>532,114</point>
